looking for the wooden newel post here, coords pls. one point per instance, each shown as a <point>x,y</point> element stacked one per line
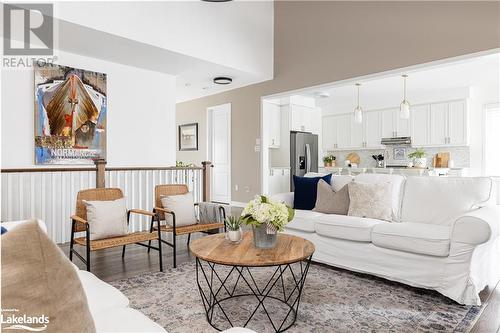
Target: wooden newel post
<point>100,176</point>
<point>207,168</point>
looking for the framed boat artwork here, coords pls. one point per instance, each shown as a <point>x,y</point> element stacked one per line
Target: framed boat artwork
<point>70,115</point>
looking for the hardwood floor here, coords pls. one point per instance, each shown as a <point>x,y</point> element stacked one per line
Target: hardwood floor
<point>108,265</point>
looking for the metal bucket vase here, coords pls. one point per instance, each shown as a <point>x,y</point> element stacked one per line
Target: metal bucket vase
<point>263,240</point>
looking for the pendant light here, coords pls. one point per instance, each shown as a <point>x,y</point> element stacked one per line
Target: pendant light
<point>358,111</point>
<point>404,108</point>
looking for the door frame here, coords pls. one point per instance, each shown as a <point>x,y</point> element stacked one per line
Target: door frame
<point>208,140</point>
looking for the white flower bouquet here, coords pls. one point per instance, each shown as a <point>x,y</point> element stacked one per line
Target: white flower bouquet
<point>262,211</point>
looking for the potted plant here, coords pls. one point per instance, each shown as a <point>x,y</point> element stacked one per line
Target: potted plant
<point>267,218</point>
<point>419,159</point>
<point>329,160</point>
<point>233,226</point>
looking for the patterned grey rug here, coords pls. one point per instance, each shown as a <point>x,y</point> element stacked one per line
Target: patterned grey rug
<point>333,300</point>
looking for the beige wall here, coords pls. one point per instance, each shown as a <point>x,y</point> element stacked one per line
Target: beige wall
<point>321,42</point>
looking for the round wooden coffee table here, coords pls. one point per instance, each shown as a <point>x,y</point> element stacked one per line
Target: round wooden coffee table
<point>226,271</point>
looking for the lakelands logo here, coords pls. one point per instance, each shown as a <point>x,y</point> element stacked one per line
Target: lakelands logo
<point>28,31</point>
<point>12,320</point>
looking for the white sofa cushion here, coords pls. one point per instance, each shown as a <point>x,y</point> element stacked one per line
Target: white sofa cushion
<point>125,320</point>
<point>413,237</point>
<point>101,296</point>
<point>107,218</point>
<point>397,183</point>
<point>303,220</point>
<point>339,181</point>
<point>441,200</point>
<point>346,227</point>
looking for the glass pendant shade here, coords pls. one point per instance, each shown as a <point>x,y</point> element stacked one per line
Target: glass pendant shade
<point>358,114</point>
<point>404,109</point>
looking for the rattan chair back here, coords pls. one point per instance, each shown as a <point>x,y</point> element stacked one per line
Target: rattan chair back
<point>166,190</point>
<point>94,194</point>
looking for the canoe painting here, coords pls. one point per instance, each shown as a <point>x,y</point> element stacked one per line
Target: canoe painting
<point>70,115</point>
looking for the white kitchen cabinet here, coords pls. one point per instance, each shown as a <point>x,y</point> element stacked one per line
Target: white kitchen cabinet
<point>372,129</point>
<point>457,123</point>
<point>438,124</point>
<point>274,126</point>
<point>392,124</point>
<point>343,123</point>
<point>357,136</point>
<point>420,125</point>
<point>329,133</point>
<point>279,180</point>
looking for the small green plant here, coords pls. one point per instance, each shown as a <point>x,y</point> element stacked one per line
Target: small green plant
<point>180,164</point>
<point>329,159</point>
<point>233,223</point>
<point>418,153</point>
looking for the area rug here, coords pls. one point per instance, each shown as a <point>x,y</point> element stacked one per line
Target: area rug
<point>333,300</point>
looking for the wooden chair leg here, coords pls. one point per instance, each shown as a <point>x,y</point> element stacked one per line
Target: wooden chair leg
<point>123,250</point>
<point>159,246</point>
<point>189,239</point>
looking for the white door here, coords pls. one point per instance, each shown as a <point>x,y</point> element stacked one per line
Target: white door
<point>439,120</point>
<point>219,142</point>
<point>457,123</point>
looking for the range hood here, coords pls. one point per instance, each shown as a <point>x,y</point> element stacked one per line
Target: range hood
<point>397,141</point>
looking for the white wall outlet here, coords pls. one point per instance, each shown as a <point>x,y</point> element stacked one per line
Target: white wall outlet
<point>257,141</point>
<point>236,187</point>
<point>247,189</point>
<point>257,149</point>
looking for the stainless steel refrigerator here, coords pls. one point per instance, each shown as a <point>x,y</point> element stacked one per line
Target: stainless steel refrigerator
<point>303,154</point>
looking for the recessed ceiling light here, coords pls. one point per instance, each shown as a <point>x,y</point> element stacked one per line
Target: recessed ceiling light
<point>222,80</point>
<point>205,88</point>
<point>187,84</point>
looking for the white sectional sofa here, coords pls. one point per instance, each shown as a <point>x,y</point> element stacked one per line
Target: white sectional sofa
<point>444,234</point>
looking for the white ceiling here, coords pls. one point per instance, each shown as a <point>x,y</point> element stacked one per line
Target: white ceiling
<point>192,40</point>
<point>423,85</point>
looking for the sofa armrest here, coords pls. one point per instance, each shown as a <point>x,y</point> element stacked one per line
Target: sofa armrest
<point>478,226</point>
<point>286,198</point>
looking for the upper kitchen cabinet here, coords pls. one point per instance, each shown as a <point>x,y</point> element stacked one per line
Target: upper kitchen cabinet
<point>275,124</point>
<point>305,118</point>
<point>372,130</point>
<point>336,132</point>
<point>440,124</point>
<point>392,124</point>
<point>457,123</point>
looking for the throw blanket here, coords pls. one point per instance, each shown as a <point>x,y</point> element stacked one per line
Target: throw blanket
<point>210,212</point>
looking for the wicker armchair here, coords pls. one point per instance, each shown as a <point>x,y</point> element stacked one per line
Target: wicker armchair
<point>177,189</point>
<point>79,224</point>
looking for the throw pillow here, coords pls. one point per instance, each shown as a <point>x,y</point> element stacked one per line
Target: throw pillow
<point>4,230</point>
<point>41,283</point>
<point>183,207</point>
<point>331,202</point>
<point>370,200</point>
<point>107,218</point>
<point>305,190</point>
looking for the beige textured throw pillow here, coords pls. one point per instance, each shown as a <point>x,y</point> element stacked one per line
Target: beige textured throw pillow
<point>183,207</point>
<point>107,218</point>
<point>331,202</point>
<point>39,282</point>
<point>370,200</point>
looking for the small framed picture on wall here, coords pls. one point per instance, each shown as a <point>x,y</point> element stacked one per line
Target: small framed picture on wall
<point>188,137</point>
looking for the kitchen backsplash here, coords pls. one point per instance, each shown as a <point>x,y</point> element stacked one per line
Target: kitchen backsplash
<point>459,155</point>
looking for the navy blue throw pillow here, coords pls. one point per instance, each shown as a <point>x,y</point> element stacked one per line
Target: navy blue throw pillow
<point>305,190</point>
<point>3,230</point>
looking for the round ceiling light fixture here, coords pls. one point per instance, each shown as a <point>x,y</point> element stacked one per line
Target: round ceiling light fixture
<point>222,80</point>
